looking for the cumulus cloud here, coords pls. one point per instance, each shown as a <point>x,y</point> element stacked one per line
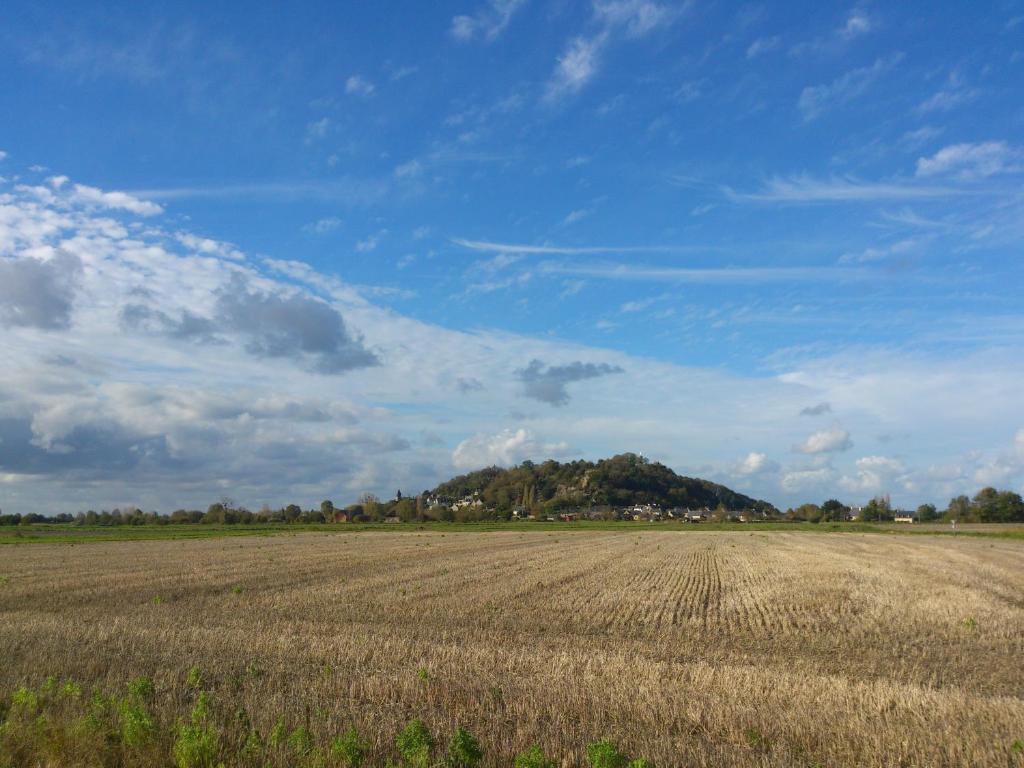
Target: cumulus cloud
<point>548,383</point>
<point>487,23</point>
<point>875,474</point>
<point>755,463</point>
<point>805,480</point>
<point>826,441</point>
<point>183,370</point>
<point>188,326</point>
<point>114,200</point>
<point>292,326</point>
<point>38,293</point>
<point>972,161</point>
<point>503,449</point>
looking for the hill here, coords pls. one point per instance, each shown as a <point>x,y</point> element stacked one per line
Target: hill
<point>620,481</point>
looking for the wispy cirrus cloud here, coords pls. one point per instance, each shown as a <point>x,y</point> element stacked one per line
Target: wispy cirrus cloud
<point>487,23</point>
<point>763,45</point>
<point>973,161</point>
<point>955,93</point>
<point>357,85</point>
<point>711,275</point>
<point>522,248</point>
<point>842,189</point>
<point>347,190</point>
<point>580,61</point>
<point>816,99</point>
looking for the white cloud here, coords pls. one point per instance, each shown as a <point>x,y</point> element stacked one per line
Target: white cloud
<point>857,23</point>
<point>875,474</point>
<point>322,226</point>
<point>972,161</point>
<point>808,189</point>
<point>818,98</point>
<point>115,200</point>
<point>209,247</point>
<point>3,155</point>
<point>369,243</point>
<point>578,215</point>
<point>580,60</point>
<point>487,23</point>
<point>503,449</point>
<point>155,387</point>
<point>826,441</point>
<point>804,480</point>
<point>899,248</point>
<point>575,67</point>
<point>408,170</point>
<point>755,463</point>
<point>317,129</point>
<point>637,17</point>
<point>358,85</point>
<point>955,93</point>
<point>763,45</point>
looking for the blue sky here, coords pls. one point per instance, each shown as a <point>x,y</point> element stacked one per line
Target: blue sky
<point>288,255</point>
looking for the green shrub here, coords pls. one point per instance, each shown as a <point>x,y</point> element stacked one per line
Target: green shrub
<point>640,762</point>
<point>300,742</point>
<point>71,690</point>
<point>141,688</point>
<point>24,700</point>
<point>194,679</point>
<point>348,749</point>
<point>195,747</point>
<point>196,744</point>
<point>533,758</point>
<point>415,744</point>
<point>137,726</point>
<point>253,746</point>
<point>277,734</point>
<point>604,754</point>
<point>464,750</point>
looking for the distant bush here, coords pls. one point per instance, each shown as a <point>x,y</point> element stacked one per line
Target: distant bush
<point>533,758</point>
<point>349,749</point>
<point>415,744</point>
<point>464,750</point>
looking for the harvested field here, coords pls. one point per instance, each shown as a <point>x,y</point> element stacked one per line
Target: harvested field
<point>691,649</point>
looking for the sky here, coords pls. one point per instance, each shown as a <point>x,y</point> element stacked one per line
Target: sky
<point>283,254</point>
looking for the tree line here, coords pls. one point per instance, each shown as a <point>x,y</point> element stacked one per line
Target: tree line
<point>988,505</point>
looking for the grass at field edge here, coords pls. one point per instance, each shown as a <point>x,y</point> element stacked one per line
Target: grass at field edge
<point>74,534</point>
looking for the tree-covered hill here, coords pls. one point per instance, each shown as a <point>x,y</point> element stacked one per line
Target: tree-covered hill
<point>622,480</point>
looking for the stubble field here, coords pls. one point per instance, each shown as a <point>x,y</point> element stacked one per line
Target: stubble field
<point>690,649</point>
